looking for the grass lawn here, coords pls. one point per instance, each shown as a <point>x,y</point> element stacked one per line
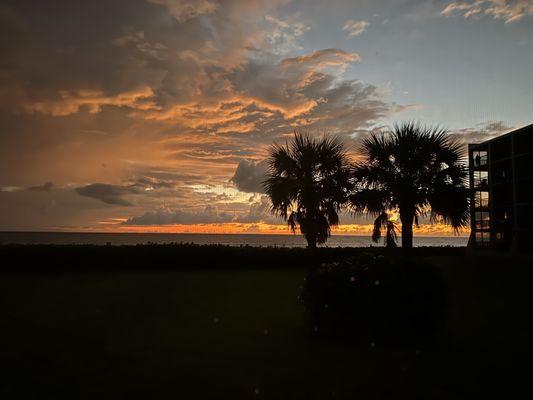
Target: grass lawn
<point>231,334</point>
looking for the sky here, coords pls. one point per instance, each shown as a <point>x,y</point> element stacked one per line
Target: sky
<point>157,115</point>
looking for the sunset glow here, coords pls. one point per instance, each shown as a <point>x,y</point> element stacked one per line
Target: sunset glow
<point>160,119</point>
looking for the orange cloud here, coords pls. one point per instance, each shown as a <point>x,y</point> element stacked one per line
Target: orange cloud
<point>93,100</point>
<point>324,58</point>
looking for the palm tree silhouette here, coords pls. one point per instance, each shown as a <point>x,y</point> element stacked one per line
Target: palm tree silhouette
<point>414,170</point>
<point>383,221</point>
<point>308,182</point>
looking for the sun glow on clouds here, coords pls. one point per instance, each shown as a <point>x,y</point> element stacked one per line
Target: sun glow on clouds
<point>93,100</point>
<point>228,193</point>
<point>116,225</point>
<point>149,117</point>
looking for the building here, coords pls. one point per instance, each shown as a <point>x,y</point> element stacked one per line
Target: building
<point>501,179</point>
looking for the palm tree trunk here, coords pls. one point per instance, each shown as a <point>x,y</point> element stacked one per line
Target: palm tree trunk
<point>310,237</point>
<point>313,253</point>
<point>407,229</point>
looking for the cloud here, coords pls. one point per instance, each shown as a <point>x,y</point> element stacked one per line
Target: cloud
<point>481,132</point>
<point>323,58</point>
<point>137,39</point>
<point>146,185</point>
<point>163,99</point>
<point>355,28</point>
<point>46,187</point>
<point>268,100</point>
<point>257,212</point>
<point>109,194</point>
<point>260,211</point>
<point>284,33</point>
<point>93,101</point>
<point>48,210</point>
<point>184,10</point>
<point>506,10</point>
<point>169,217</point>
<point>249,176</point>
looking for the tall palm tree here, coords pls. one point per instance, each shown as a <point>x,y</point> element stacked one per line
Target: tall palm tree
<point>308,183</point>
<point>414,170</point>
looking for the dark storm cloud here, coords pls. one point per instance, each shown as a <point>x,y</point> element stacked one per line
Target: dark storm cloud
<point>168,217</point>
<point>30,210</point>
<point>146,186</point>
<point>46,187</point>
<point>259,211</point>
<point>56,51</point>
<point>109,194</point>
<point>250,175</point>
<point>256,212</point>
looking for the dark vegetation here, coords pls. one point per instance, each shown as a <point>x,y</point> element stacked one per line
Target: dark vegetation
<point>175,322</point>
<point>374,298</point>
<point>178,256</point>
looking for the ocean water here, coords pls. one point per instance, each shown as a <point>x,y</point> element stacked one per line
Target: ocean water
<point>223,239</point>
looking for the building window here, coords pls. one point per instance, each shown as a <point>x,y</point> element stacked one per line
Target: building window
<point>481,199</point>
<point>480,158</point>
<point>481,179</point>
<point>482,220</point>
<point>482,238</point>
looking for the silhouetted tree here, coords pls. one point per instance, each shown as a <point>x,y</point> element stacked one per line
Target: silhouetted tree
<point>308,183</point>
<point>414,170</point>
<point>383,221</point>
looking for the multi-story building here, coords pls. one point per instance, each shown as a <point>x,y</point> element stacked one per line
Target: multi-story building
<point>501,179</point>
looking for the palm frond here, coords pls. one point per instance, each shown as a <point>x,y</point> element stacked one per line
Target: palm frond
<point>450,204</point>
<point>391,235</point>
<point>379,223</point>
<point>372,201</point>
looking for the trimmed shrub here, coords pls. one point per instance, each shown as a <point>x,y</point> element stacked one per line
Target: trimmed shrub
<point>376,298</point>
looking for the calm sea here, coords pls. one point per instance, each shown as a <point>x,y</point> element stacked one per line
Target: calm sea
<point>231,240</point>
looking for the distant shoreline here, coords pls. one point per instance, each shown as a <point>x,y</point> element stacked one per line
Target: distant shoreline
<point>241,239</point>
<point>209,233</point>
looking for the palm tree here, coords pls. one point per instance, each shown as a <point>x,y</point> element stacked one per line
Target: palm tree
<point>413,170</point>
<point>308,182</point>
<point>383,222</point>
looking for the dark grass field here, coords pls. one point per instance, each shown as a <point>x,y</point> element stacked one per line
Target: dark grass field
<point>119,330</point>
